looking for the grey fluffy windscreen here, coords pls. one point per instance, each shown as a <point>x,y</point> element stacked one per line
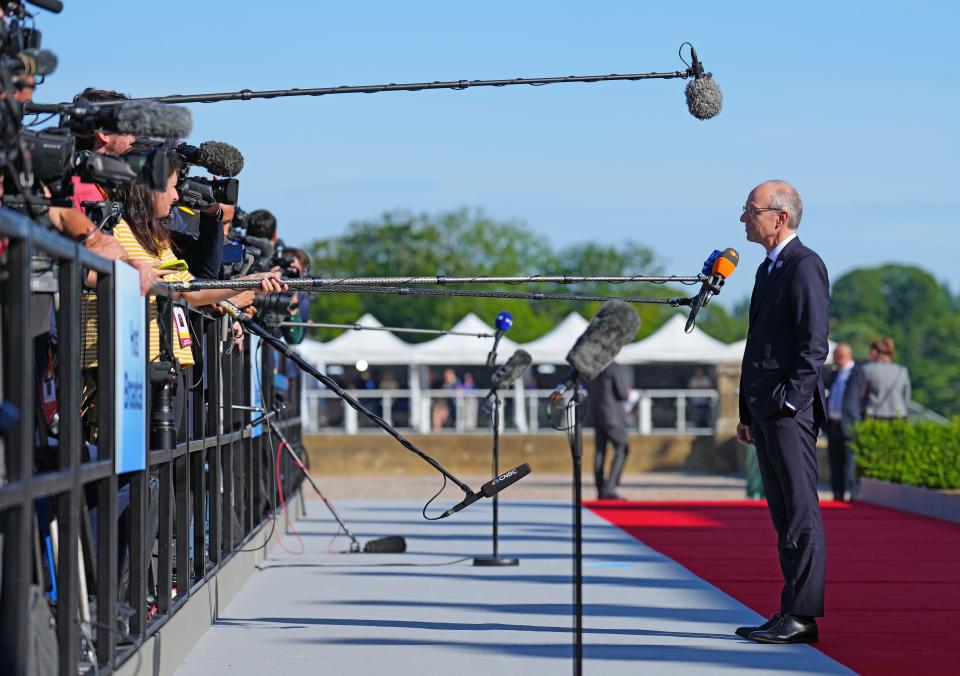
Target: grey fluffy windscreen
<point>220,159</point>
<point>505,376</point>
<point>148,118</point>
<point>704,99</point>
<point>610,329</point>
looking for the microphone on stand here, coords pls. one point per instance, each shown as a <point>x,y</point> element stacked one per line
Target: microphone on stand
<point>609,330</point>
<point>491,488</point>
<point>503,323</point>
<point>507,374</point>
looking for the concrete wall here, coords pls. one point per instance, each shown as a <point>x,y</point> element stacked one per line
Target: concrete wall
<point>377,453</point>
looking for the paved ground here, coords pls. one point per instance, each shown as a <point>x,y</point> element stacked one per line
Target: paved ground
<point>539,486</point>
<point>430,612</point>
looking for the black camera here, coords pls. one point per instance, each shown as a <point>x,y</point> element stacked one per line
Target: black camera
<point>200,193</point>
<point>55,159</point>
<point>274,308</point>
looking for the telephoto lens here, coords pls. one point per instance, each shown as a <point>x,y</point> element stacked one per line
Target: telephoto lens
<point>163,433</point>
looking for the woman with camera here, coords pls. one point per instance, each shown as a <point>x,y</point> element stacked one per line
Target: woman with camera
<point>143,235</point>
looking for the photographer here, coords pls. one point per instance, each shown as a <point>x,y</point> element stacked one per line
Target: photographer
<point>145,237</point>
<point>297,265</point>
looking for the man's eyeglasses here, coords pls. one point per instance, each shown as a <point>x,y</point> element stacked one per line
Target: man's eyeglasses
<point>752,211</point>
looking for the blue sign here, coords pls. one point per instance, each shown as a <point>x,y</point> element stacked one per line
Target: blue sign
<point>256,381</point>
<point>130,331</point>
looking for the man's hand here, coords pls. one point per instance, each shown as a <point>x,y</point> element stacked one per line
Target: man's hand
<point>744,434</point>
<point>244,298</point>
<point>270,281</point>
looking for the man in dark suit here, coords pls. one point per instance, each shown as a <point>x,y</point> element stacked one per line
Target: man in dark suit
<point>782,402</point>
<point>607,395</point>
<point>843,411</point>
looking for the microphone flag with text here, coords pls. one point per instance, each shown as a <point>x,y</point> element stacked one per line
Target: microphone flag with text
<point>491,488</point>
<point>719,266</point>
<point>502,324</point>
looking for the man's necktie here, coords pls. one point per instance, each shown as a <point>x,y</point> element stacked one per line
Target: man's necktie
<point>762,272</point>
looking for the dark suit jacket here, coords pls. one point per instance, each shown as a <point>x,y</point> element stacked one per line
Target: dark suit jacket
<point>606,394</point>
<point>787,337</point>
<point>850,410</point>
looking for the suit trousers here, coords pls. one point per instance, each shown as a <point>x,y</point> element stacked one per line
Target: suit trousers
<point>841,459</point>
<point>787,455</point>
<point>616,435</point>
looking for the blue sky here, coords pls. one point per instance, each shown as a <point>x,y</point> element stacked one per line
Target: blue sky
<point>855,103</point>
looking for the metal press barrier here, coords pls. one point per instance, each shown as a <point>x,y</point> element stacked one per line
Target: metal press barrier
<point>94,559</point>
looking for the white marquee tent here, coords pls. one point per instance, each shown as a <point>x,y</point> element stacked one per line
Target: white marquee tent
<point>378,348</point>
<point>670,344</point>
<point>552,348</point>
<point>461,350</point>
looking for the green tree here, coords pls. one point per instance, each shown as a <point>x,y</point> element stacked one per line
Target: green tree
<point>909,305</point>
<point>467,242</point>
<point>729,327</point>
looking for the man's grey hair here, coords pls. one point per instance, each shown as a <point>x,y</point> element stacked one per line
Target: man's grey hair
<point>786,198</point>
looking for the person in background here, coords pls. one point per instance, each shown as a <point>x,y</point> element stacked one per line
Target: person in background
<point>606,396</point>
<point>700,406</point>
<point>843,411</point>
<point>471,405</point>
<point>885,387</point>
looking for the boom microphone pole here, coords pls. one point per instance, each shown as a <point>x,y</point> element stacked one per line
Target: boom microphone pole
<point>468,293</point>
<point>703,96</point>
<point>317,283</point>
<point>391,329</point>
<point>487,490</point>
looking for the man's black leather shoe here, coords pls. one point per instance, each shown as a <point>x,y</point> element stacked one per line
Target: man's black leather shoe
<point>787,629</point>
<point>744,632</point>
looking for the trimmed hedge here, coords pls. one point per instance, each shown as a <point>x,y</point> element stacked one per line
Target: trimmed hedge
<point>913,453</point>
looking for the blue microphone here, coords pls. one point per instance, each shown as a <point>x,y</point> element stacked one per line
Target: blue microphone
<point>503,323</point>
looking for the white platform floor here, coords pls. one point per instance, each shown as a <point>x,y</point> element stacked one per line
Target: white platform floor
<point>418,613</point>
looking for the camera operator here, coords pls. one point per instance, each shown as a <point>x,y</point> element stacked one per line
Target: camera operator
<point>297,265</point>
<point>104,143</point>
<point>145,237</point>
<point>262,223</point>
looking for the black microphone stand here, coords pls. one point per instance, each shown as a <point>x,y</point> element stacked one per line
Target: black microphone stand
<point>575,414</point>
<point>329,382</point>
<point>495,559</point>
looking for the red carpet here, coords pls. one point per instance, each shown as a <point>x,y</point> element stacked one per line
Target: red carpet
<point>893,578</point>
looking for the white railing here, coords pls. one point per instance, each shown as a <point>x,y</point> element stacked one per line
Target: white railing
<point>660,412</point>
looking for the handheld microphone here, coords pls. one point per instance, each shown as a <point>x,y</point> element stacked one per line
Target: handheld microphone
<point>220,159</point>
<point>507,374</point>
<point>503,323</point>
<point>609,330</point>
<point>491,488</point>
<point>704,99</point>
<point>723,266</point>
